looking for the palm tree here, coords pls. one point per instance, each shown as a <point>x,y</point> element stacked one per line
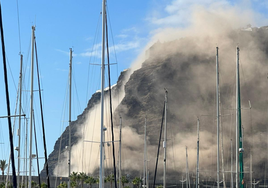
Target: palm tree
<point>3,166</point>
<point>62,185</point>
<point>2,185</point>
<point>137,181</point>
<point>73,184</point>
<point>43,185</point>
<point>90,180</point>
<point>74,178</point>
<point>110,179</point>
<point>82,177</point>
<point>97,180</point>
<point>34,184</point>
<point>124,180</point>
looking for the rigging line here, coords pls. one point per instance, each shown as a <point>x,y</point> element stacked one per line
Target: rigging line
<point>172,138</point>
<point>7,100</point>
<point>42,118</point>
<point>110,94</point>
<point>94,42</point>
<point>14,122</point>
<point>94,123</point>
<point>77,96</point>
<point>116,61</point>
<point>18,24</point>
<point>10,70</point>
<point>61,130</point>
<point>83,138</point>
<point>37,159</point>
<point>163,114</point>
<point>26,99</point>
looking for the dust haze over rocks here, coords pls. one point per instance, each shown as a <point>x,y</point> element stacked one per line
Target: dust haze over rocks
<point>183,62</point>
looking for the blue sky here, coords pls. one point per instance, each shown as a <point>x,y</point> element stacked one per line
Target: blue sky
<point>65,24</point>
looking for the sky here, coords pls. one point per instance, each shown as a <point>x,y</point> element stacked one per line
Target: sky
<point>61,25</point>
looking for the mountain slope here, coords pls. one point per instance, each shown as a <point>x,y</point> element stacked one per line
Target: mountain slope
<point>186,68</point>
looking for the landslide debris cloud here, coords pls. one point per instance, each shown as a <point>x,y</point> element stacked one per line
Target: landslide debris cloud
<point>183,62</point>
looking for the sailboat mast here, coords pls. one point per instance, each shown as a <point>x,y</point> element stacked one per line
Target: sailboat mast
<point>145,157</point>
<point>42,118</point>
<point>31,111</point>
<point>7,101</point>
<point>187,171</point>
<point>218,110</point>
<point>239,141</point>
<point>232,178</point>
<point>19,130</point>
<point>26,151</point>
<point>197,163</point>
<point>70,116</point>
<point>165,140</point>
<point>102,90</point>
<point>120,144</point>
<point>250,170</point>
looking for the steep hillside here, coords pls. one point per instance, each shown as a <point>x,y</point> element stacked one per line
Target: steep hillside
<point>63,140</point>
<point>186,68</point>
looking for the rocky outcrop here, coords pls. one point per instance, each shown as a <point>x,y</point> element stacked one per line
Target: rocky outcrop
<point>186,68</point>
<point>63,141</point>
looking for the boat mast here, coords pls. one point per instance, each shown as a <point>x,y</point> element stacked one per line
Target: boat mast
<point>102,91</point>
<point>120,144</point>
<point>42,118</point>
<point>21,58</point>
<point>70,117</point>
<point>232,178</point>
<point>145,157</point>
<point>187,171</point>
<point>26,151</point>
<point>239,141</point>
<point>31,111</point>
<point>197,163</point>
<point>147,171</point>
<point>165,140</point>
<point>7,101</point>
<point>250,170</point>
<point>218,122</point>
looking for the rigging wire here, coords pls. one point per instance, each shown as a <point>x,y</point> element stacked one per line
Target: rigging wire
<point>161,128</point>
<point>111,107</point>
<point>92,54</point>
<point>42,118</point>
<point>37,159</point>
<point>27,76</point>
<point>14,123</point>
<point>13,80</point>
<point>18,25</point>
<point>61,130</point>
<point>7,100</point>
<point>76,92</point>
<point>115,55</point>
<point>91,71</point>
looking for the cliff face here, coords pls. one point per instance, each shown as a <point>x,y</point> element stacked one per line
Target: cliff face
<point>63,140</point>
<point>186,68</point>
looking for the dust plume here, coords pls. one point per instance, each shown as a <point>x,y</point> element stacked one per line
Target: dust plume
<point>183,61</point>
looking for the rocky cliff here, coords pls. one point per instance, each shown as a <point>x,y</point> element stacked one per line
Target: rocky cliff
<point>186,68</point>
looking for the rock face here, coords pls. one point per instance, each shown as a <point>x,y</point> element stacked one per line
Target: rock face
<point>76,125</point>
<point>186,68</point>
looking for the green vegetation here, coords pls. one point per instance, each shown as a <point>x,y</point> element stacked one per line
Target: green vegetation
<point>136,182</point>
<point>3,166</point>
